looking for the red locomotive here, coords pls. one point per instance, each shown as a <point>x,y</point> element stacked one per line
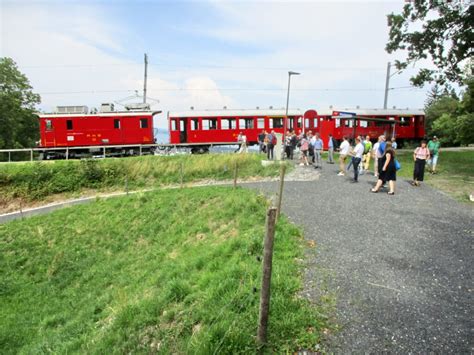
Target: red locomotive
<point>73,126</point>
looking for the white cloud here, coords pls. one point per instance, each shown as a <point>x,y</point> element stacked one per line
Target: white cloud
<point>337,46</point>
<point>71,54</point>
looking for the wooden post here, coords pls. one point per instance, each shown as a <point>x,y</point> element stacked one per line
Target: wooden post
<point>140,150</point>
<point>181,173</point>
<point>266,276</point>
<point>31,155</point>
<point>67,153</point>
<point>280,193</point>
<point>103,150</point>
<point>9,156</point>
<point>236,168</point>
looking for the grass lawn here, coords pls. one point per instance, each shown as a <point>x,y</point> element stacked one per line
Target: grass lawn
<point>455,172</point>
<point>45,181</point>
<point>172,271</point>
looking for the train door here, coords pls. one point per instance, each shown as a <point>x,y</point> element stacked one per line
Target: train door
<point>183,130</point>
<point>49,134</point>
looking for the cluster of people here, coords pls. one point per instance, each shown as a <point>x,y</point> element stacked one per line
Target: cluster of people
<point>266,143</point>
<point>383,154</point>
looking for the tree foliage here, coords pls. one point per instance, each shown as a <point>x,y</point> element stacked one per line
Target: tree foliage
<point>451,119</point>
<point>436,30</point>
<point>19,127</point>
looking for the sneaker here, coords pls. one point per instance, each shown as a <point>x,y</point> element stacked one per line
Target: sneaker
<point>341,174</point>
<point>301,164</point>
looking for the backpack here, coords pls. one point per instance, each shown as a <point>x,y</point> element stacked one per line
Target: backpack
<point>274,140</point>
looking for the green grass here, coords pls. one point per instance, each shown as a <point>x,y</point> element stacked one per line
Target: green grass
<point>170,271</point>
<point>455,172</point>
<point>35,181</point>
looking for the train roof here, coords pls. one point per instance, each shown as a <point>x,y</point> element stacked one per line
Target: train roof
<point>381,112</point>
<point>99,114</point>
<point>234,113</point>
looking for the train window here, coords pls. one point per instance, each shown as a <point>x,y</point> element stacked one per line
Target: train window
<point>194,125</point>
<point>116,123</point>
<point>379,123</point>
<point>363,124</point>
<point>338,122</point>
<point>404,121</point>
<point>174,125</point>
<point>143,123</point>
<point>246,123</point>
<point>261,123</point>
<point>315,125</point>
<point>208,124</point>
<point>69,124</point>
<point>277,123</point>
<point>228,123</point>
<point>49,125</point>
<point>348,123</point>
<point>299,122</point>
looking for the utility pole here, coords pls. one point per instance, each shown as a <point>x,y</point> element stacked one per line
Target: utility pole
<point>387,81</point>
<point>144,84</point>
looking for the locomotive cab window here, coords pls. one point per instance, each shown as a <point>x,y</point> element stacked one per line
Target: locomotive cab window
<point>315,125</point>
<point>194,125</point>
<point>49,125</point>
<point>69,124</point>
<point>117,123</point>
<point>143,123</point>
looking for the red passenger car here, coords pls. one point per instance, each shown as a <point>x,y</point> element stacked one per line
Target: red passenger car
<point>203,128</point>
<point>72,126</point>
<point>404,125</point>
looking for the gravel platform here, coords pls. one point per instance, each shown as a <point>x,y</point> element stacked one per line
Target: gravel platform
<point>399,266</point>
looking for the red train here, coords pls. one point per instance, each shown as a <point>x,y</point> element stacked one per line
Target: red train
<point>73,127</point>
<point>206,127</point>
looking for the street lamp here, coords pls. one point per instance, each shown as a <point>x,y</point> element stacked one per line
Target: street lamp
<point>290,73</point>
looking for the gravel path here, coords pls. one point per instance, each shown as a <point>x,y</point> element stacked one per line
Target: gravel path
<point>400,266</point>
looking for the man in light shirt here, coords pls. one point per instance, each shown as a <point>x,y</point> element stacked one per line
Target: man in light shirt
<point>343,152</point>
<point>318,147</point>
<point>357,157</point>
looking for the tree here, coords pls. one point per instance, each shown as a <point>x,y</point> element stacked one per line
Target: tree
<point>19,127</point>
<point>446,37</point>
<point>452,119</point>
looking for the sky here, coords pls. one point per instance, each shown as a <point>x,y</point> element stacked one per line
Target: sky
<point>206,54</point>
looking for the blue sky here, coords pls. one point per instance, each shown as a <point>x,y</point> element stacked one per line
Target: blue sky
<point>206,54</point>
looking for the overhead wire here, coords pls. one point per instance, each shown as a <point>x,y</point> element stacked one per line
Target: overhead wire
<point>224,89</point>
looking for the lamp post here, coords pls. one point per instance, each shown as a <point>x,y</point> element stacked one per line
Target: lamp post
<point>290,73</point>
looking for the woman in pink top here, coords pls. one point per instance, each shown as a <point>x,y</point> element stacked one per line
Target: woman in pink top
<point>304,146</point>
<point>420,156</point>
